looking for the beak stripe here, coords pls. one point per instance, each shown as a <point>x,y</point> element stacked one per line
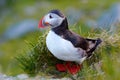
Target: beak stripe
<point>40,25</point>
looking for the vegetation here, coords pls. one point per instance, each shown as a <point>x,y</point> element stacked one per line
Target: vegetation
<point>39,60</point>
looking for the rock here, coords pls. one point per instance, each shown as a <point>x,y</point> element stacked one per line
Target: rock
<point>61,79</point>
<point>9,78</point>
<point>2,76</point>
<point>19,29</point>
<point>25,77</point>
<point>111,19</point>
<point>22,76</point>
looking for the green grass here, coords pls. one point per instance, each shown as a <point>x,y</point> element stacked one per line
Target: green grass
<point>40,61</point>
<point>13,48</point>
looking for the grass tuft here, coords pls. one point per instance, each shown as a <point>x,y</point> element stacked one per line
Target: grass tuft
<point>104,64</point>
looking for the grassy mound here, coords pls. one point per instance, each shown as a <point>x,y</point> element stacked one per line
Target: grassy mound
<point>104,64</point>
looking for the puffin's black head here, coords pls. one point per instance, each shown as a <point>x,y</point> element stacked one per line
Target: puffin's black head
<point>57,12</point>
<point>54,19</point>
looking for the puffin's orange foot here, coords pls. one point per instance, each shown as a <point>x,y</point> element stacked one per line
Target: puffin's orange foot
<point>73,68</point>
<point>61,67</point>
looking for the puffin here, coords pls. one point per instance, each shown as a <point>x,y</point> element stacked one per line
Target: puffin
<point>66,45</point>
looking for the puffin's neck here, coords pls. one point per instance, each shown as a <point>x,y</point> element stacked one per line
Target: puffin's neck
<point>62,28</point>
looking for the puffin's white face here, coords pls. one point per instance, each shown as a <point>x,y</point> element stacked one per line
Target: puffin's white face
<point>51,19</point>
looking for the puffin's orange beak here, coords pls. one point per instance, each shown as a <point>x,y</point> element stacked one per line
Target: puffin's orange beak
<point>42,24</point>
<point>47,23</point>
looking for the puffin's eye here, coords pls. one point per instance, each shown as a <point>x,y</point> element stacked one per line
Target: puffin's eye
<point>50,16</point>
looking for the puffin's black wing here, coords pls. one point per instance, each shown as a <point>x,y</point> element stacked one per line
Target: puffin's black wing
<point>89,45</point>
<point>76,40</point>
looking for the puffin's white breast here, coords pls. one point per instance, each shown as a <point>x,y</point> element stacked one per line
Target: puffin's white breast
<point>63,49</point>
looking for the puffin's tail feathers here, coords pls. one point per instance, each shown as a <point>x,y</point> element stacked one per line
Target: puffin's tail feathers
<point>93,45</point>
<point>98,41</point>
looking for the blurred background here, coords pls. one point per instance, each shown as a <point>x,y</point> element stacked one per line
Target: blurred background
<point>19,20</point>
